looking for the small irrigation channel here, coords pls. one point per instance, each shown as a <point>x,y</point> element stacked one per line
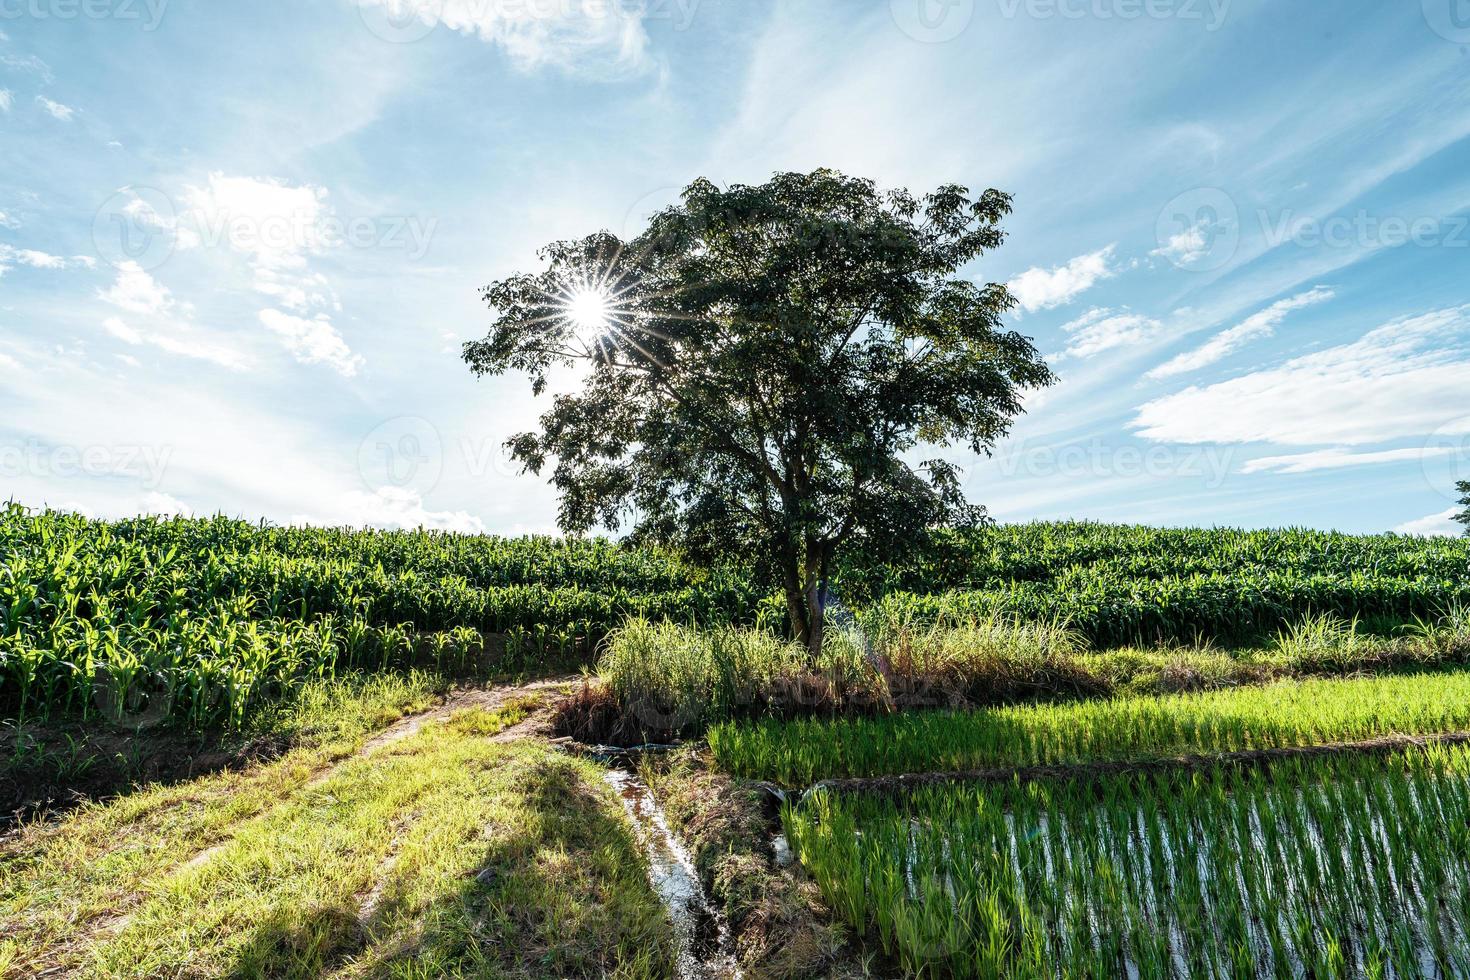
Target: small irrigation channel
<point>706,950</point>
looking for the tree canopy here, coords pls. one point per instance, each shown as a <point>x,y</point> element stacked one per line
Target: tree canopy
<point>764,366</point>
<point>1463,487</point>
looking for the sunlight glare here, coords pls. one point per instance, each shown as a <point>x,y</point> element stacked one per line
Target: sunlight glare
<point>588,310</point>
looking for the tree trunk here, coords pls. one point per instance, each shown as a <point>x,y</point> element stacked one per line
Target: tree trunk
<point>796,610</point>
<point>816,613</point>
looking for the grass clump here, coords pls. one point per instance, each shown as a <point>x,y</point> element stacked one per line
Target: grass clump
<point>663,680</point>
<point>1348,866</point>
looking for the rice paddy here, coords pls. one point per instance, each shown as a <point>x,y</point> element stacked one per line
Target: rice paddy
<point>1287,714</point>
<point>1348,866</point>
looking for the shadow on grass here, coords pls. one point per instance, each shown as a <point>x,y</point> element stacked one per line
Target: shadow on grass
<point>559,892</point>
<point>49,768</point>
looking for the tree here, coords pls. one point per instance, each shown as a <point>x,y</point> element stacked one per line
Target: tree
<point>762,364</point>
<point>1464,517</point>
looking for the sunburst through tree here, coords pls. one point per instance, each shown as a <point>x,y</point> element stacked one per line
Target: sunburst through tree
<point>764,361</point>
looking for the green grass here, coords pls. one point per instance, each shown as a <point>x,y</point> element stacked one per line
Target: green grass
<point>1351,866</point>
<point>803,751</point>
<point>444,854</point>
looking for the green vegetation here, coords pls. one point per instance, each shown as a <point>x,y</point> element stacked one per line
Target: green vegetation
<point>1349,866</point>
<point>443,853</point>
<point>670,679</point>
<point>1119,585</point>
<point>1282,715</point>
<point>201,621</point>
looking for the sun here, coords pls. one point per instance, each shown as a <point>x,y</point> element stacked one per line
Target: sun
<point>588,309</point>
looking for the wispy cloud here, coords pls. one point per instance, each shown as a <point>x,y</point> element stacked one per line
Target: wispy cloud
<point>7,99</point>
<point>168,321</point>
<point>1441,525</point>
<point>137,291</point>
<point>1100,330</point>
<point>390,507</point>
<point>1403,379</point>
<point>11,256</point>
<point>56,109</point>
<point>1044,289</point>
<point>583,37</point>
<point>1335,459</point>
<point>1255,327</point>
<point>314,341</point>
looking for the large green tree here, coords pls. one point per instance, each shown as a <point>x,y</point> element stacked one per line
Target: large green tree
<point>764,366</point>
<point>1464,517</point>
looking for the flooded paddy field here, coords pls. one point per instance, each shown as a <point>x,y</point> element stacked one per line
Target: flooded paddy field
<point>1339,866</point>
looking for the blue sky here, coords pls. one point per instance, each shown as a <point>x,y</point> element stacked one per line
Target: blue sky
<point>242,242</point>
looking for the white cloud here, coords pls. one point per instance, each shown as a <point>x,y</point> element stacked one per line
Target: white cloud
<point>313,341</point>
<point>1333,459</point>
<point>164,505</point>
<point>129,360</point>
<point>7,99</point>
<point>116,327</point>
<point>584,37</point>
<point>1188,245</point>
<point>1101,330</point>
<point>1254,327</point>
<point>39,260</point>
<point>168,327</point>
<point>8,222</point>
<point>138,292</point>
<point>392,507</point>
<point>1043,289</point>
<point>1401,380</point>
<point>278,226</point>
<point>273,222</point>
<point>9,363</point>
<point>56,109</point>
<point>29,256</point>
<point>1440,525</point>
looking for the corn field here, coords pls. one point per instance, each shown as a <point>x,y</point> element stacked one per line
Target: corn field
<point>1118,585</point>
<point>197,621</point>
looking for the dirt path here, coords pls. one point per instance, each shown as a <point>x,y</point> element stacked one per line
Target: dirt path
<point>120,915</point>
<point>464,699</point>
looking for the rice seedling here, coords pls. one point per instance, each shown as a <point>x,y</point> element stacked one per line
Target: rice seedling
<point>1288,714</point>
<point>1343,866</point>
